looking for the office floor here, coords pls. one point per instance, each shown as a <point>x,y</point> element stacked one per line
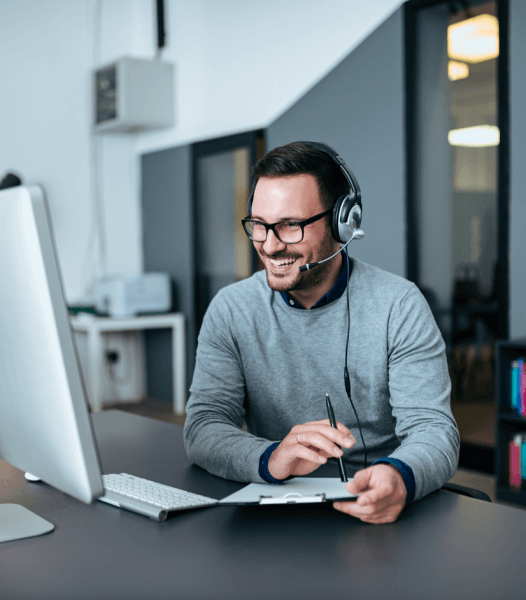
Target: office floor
<point>162,411</point>
<point>154,409</point>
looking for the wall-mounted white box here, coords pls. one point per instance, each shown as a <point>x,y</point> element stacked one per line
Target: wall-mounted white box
<point>133,94</point>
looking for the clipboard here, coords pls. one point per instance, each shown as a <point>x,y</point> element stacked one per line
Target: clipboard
<point>300,490</point>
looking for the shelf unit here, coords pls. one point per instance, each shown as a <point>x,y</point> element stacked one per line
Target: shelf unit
<point>507,422</point>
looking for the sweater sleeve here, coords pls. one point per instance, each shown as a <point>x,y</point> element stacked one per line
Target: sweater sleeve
<point>420,387</point>
<point>213,434</point>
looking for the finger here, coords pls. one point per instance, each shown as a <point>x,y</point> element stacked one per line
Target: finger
<point>300,451</point>
<point>370,512</point>
<point>328,432</point>
<point>383,494</point>
<point>360,512</point>
<point>386,516</point>
<point>348,508</point>
<point>339,426</point>
<point>312,438</point>
<point>360,481</point>
<point>375,495</point>
<point>320,451</point>
<point>368,505</point>
<point>371,501</point>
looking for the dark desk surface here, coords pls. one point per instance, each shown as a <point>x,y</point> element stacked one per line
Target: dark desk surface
<point>445,546</point>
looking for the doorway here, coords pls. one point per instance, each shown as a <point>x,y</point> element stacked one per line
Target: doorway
<point>221,185</point>
<point>457,144</point>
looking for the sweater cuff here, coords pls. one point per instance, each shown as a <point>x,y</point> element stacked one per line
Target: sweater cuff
<point>263,464</point>
<point>405,471</point>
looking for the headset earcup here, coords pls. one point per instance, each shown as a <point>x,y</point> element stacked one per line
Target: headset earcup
<point>347,220</point>
<point>356,215</point>
<point>336,218</point>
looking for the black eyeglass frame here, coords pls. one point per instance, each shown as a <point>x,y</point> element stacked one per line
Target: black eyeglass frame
<point>272,226</point>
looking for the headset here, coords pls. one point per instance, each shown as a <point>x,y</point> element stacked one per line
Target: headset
<point>346,219</point>
<point>346,216</point>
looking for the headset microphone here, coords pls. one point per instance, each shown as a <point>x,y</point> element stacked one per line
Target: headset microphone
<point>357,234</point>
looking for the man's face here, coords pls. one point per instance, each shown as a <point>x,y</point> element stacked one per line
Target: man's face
<point>293,198</point>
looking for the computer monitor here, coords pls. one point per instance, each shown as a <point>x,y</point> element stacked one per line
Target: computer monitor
<point>45,426</point>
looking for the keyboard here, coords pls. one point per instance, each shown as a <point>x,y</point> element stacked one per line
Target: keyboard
<point>148,498</point>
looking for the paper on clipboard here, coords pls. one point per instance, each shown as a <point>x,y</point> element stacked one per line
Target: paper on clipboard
<point>300,490</point>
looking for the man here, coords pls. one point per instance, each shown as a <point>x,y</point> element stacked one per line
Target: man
<point>273,345</point>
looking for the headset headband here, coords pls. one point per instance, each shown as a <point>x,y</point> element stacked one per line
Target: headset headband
<point>349,175</point>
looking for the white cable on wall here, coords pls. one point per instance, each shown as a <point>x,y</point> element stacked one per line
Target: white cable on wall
<point>95,261</point>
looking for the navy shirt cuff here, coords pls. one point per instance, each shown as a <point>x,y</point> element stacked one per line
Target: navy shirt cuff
<point>263,464</point>
<point>406,472</point>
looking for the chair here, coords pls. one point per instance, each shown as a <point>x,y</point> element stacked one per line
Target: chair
<point>466,491</point>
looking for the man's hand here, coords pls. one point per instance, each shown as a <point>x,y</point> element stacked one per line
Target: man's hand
<point>382,495</point>
<point>307,447</point>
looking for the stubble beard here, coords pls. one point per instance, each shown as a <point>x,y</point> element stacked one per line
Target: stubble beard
<point>302,280</point>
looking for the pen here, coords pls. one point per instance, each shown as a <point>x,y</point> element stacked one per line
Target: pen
<point>332,420</point>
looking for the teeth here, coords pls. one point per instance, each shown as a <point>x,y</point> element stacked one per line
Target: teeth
<point>280,263</point>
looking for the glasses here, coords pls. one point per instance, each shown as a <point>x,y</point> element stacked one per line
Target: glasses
<point>288,232</point>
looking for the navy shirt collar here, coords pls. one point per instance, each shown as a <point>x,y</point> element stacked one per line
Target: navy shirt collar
<point>333,294</point>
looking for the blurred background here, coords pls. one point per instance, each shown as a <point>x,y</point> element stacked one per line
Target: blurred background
<point>141,119</point>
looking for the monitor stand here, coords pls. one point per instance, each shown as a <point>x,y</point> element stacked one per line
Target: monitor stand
<point>17,522</point>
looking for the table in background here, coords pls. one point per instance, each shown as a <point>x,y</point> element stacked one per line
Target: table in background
<point>444,546</point>
<point>95,327</point>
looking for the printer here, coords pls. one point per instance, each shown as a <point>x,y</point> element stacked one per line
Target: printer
<point>125,297</point>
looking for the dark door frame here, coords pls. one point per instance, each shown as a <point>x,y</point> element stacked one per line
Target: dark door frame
<point>471,456</point>
<point>255,141</point>
<point>503,154</point>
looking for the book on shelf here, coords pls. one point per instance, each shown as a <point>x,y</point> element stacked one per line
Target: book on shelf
<point>518,387</point>
<point>516,444</point>
<point>517,451</point>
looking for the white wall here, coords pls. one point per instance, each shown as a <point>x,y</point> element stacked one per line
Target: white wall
<point>44,115</point>
<point>239,65</point>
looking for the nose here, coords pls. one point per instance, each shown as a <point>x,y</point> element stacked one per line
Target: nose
<point>272,244</point>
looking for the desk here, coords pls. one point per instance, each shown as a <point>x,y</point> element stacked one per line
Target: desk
<point>95,327</point>
<point>445,546</point>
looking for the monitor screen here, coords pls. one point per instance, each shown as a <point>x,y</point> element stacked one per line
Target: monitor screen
<point>45,426</point>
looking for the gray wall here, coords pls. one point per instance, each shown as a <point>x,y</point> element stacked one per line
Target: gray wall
<point>358,108</point>
<point>518,170</point>
<point>168,247</point>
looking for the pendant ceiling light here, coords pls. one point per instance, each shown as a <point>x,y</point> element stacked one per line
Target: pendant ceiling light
<point>457,70</point>
<point>474,40</point>
<point>475,137</point>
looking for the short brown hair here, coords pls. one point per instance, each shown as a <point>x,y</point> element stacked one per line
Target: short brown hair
<point>298,158</point>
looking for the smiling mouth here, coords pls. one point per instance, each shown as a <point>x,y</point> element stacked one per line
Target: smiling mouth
<point>282,263</point>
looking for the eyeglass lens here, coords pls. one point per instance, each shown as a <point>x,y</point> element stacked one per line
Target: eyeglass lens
<point>287,232</point>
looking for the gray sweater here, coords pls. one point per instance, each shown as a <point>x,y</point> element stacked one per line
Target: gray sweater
<point>262,362</point>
